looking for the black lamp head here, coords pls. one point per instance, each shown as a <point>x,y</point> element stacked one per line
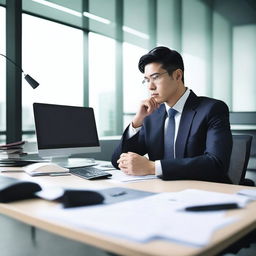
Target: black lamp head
<point>31,81</point>
<point>28,78</point>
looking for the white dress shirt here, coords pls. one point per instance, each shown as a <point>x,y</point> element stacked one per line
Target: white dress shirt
<point>179,108</point>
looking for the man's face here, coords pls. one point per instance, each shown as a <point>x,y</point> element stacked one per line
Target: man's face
<point>162,86</point>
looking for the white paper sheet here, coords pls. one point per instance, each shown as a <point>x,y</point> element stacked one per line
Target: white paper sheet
<point>250,193</point>
<point>192,197</point>
<point>119,176</point>
<point>154,217</point>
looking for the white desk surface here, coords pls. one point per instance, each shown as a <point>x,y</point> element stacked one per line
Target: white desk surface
<point>28,211</point>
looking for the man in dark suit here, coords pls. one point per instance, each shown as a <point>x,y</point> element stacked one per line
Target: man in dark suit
<point>184,136</point>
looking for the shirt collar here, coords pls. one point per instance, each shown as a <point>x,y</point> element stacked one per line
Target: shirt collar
<point>179,105</point>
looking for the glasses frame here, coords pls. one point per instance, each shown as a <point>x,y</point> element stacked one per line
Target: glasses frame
<point>154,78</point>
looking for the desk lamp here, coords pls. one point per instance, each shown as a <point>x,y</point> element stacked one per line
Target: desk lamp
<point>33,83</point>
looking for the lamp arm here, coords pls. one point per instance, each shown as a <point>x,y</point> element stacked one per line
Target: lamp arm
<point>33,83</point>
<point>12,62</point>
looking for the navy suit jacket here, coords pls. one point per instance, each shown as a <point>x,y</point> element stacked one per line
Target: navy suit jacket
<point>203,144</point>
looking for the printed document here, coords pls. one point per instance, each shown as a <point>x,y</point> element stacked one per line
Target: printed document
<point>160,216</point>
<point>119,176</point>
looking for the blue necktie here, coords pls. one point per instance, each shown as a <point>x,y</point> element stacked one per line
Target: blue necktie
<point>169,135</point>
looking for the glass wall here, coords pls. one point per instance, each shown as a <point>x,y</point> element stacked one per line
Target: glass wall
<point>63,11</point>
<point>2,76</point>
<point>86,53</point>
<point>217,41</point>
<point>133,90</point>
<point>52,54</point>
<point>244,67</point>
<point>101,16</point>
<point>102,82</point>
<point>222,59</point>
<point>136,27</point>
<point>196,34</point>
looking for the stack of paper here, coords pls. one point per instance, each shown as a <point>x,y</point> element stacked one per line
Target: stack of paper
<point>160,216</point>
<point>12,150</point>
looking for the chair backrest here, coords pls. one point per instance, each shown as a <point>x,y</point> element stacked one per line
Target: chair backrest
<point>239,158</point>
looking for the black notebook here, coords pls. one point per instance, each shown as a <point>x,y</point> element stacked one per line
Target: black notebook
<point>13,189</point>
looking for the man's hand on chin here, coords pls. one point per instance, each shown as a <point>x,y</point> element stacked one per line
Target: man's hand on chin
<point>135,164</point>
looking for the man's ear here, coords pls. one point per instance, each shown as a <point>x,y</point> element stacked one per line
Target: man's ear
<point>178,74</point>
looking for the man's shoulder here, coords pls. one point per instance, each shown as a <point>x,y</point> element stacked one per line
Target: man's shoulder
<point>206,102</point>
<point>211,101</point>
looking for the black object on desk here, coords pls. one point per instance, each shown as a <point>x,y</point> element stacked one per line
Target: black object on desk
<point>16,162</point>
<point>74,198</point>
<point>89,173</point>
<point>212,207</point>
<point>13,189</point>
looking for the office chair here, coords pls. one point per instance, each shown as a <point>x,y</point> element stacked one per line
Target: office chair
<point>239,160</point>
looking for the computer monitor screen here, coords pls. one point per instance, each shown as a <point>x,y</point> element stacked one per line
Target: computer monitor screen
<point>63,131</point>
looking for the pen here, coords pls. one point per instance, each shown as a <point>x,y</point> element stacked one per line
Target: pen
<point>212,207</point>
<point>119,194</point>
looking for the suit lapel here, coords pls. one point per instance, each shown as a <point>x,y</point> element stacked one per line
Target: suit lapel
<point>186,121</point>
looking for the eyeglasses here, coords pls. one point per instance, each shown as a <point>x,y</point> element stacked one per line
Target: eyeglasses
<point>154,78</point>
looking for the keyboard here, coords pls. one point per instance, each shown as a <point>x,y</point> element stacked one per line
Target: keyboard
<point>89,173</point>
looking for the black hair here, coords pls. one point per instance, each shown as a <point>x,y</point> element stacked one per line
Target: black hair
<point>170,60</point>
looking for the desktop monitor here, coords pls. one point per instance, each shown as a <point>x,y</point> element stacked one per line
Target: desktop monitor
<point>63,131</point>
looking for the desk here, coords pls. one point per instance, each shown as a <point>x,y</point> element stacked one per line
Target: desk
<point>28,212</point>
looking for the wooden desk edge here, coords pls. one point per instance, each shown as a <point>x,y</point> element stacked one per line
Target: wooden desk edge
<point>126,247</point>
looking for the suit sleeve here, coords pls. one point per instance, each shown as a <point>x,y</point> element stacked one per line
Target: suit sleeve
<point>134,144</point>
<point>213,163</point>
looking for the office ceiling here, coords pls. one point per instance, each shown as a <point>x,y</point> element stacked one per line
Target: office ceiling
<point>237,12</point>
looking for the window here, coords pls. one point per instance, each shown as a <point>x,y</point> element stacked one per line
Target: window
<point>196,46</point>
<point>134,92</point>
<point>218,47</point>
<point>102,82</point>
<point>53,55</point>
<point>2,76</point>
<point>244,66</point>
<point>136,22</point>
<point>103,19</point>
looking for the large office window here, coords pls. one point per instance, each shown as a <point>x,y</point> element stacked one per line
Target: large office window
<point>136,22</point>
<point>244,66</point>
<point>102,82</point>
<point>196,45</point>
<point>2,76</point>
<point>218,47</point>
<point>53,54</point>
<point>103,19</point>
<point>133,90</point>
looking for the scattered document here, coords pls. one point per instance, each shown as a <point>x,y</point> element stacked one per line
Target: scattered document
<point>193,197</point>
<point>251,193</point>
<point>157,216</point>
<point>119,176</point>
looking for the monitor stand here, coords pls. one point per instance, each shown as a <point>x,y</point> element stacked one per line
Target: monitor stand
<point>73,162</point>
